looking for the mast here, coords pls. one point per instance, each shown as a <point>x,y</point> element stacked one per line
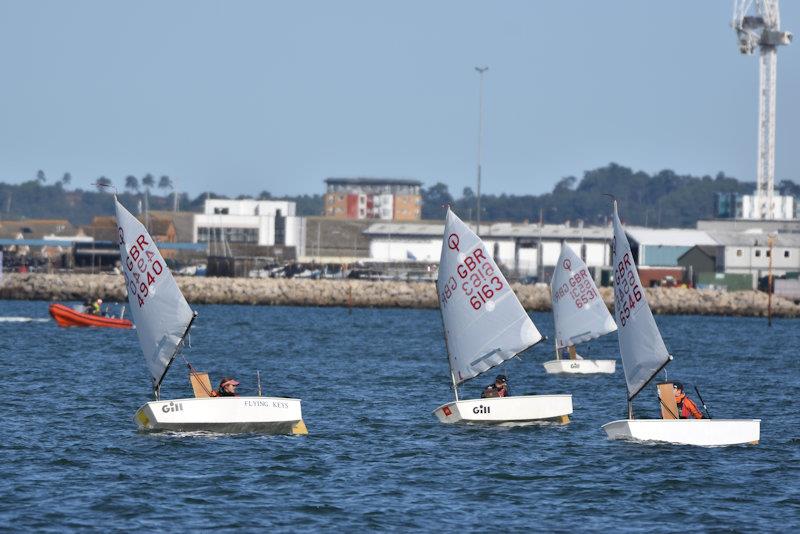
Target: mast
<point>157,386</point>
<point>447,346</point>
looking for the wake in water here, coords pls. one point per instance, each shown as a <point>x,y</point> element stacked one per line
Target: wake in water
<point>22,320</point>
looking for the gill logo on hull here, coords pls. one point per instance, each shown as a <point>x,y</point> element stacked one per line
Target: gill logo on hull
<point>481,409</point>
<point>172,407</point>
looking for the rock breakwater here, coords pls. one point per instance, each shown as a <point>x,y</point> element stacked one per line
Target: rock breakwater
<point>360,293</point>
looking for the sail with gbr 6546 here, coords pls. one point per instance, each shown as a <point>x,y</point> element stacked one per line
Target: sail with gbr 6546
<point>644,354</point>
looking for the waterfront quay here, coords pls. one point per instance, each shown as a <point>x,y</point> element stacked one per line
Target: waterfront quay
<point>366,293</point>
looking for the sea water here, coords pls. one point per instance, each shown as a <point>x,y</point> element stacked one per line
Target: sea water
<point>375,457</point>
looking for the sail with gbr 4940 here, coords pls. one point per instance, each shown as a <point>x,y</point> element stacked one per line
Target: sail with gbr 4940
<point>163,319</point>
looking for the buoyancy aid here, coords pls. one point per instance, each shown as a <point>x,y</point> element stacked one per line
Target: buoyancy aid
<point>687,408</point>
<point>493,391</point>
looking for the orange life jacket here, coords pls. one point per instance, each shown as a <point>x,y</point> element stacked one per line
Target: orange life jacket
<point>687,407</point>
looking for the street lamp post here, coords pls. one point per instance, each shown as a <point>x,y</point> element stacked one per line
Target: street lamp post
<point>480,70</point>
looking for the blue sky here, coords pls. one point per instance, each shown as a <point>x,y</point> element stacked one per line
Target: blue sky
<point>239,97</point>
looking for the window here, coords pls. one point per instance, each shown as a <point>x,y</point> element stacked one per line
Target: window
<point>769,253</point>
<point>785,253</point>
<point>758,253</point>
<point>738,252</point>
<point>233,235</point>
<point>221,211</point>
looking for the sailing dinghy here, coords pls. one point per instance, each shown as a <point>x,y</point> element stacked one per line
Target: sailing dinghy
<point>485,325</point>
<point>644,355</point>
<point>580,315</point>
<point>163,319</point>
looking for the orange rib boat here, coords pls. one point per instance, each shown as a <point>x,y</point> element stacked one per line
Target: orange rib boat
<point>66,316</point>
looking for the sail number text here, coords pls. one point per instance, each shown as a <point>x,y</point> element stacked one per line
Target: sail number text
<point>579,287</point>
<point>142,268</point>
<point>627,293</point>
<point>476,278</point>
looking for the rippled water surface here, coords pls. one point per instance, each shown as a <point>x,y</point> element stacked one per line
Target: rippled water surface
<point>375,458</point>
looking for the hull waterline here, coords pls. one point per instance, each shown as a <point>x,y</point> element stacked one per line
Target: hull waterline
<point>701,432</point>
<point>580,367</point>
<point>507,410</point>
<point>269,415</point>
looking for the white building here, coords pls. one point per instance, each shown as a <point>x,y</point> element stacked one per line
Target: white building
<point>782,207</point>
<point>748,252</point>
<point>218,206</point>
<point>255,222</point>
<point>527,249</point>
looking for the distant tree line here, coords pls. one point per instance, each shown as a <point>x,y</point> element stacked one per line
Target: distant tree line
<point>665,199</point>
<point>40,199</point>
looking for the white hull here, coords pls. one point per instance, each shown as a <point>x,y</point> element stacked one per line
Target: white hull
<point>580,367</point>
<point>704,432</point>
<point>507,410</point>
<point>271,415</point>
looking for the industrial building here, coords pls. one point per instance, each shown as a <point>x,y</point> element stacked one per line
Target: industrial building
<point>526,250</point>
<point>373,198</point>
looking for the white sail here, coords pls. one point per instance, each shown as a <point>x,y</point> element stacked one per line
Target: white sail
<point>484,322</point>
<point>579,312</point>
<point>640,344</point>
<point>160,313</point>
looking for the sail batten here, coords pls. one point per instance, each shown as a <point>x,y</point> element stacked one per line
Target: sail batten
<point>160,312</point>
<point>640,344</point>
<point>578,309</point>
<point>484,322</point>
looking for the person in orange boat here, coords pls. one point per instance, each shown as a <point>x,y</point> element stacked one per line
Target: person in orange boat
<point>686,406</point>
<point>96,307</point>
<point>227,388</point>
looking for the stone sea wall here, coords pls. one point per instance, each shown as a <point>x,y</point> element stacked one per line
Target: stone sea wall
<point>358,293</point>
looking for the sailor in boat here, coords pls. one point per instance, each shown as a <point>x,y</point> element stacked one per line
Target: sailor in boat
<point>96,307</point>
<point>686,406</point>
<point>498,389</point>
<point>227,388</point>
